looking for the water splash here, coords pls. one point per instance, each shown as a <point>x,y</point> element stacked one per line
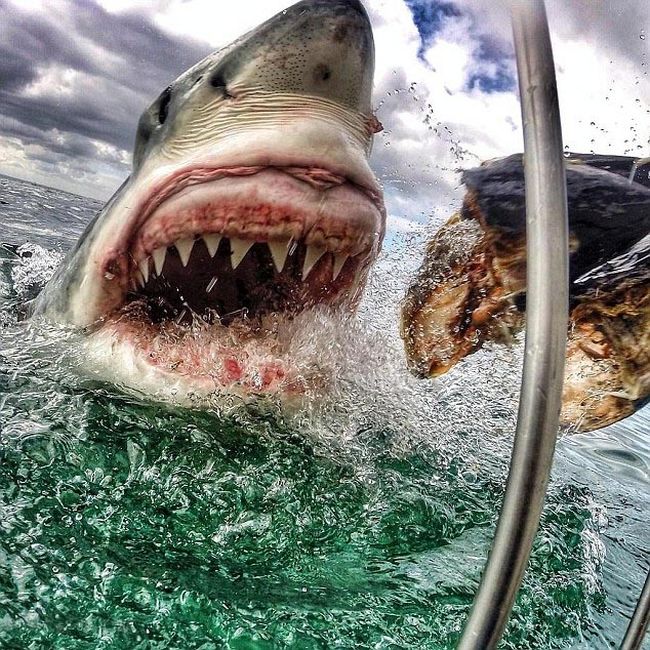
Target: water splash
<point>358,519</point>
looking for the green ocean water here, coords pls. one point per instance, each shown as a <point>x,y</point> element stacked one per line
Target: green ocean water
<point>127,525</point>
<point>362,521</point>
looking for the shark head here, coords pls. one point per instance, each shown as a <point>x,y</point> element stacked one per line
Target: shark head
<point>251,200</point>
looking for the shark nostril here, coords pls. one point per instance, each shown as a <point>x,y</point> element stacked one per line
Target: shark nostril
<point>322,72</point>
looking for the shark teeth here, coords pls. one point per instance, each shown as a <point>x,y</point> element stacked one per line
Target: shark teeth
<point>144,270</point>
<point>279,253</point>
<point>339,263</point>
<point>359,274</point>
<point>184,248</point>
<point>212,243</point>
<point>148,271</point>
<point>311,259</point>
<point>159,257</point>
<point>238,250</point>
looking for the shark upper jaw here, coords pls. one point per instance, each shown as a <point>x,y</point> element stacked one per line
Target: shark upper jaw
<point>305,228</point>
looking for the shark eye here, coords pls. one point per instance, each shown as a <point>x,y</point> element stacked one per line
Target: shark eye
<point>163,109</point>
<point>219,81</point>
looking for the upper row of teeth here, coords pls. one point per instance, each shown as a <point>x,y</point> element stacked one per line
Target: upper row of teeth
<point>239,248</point>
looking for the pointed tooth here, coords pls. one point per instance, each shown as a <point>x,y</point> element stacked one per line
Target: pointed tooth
<point>139,280</point>
<point>212,242</point>
<point>311,258</point>
<point>279,253</point>
<point>358,275</point>
<point>239,248</point>
<point>159,257</point>
<point>212,284</point>
<point>339,263</point>
<point>144,269</point>
<point>184,248</point>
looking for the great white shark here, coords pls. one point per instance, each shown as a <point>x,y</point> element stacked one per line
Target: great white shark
<point>250,201</point>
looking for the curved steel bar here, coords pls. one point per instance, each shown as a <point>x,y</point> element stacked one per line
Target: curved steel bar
<point>636,165</point>
<point>640,620</point>
<point>547,316</point>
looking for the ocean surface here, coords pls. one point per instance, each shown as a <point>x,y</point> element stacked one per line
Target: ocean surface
<point>360,522</point>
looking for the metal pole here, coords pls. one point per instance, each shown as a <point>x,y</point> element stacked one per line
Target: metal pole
<point>640,620</point>
<point>547,316</point>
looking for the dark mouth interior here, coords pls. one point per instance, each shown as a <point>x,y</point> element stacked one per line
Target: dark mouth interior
<point>210,289</point>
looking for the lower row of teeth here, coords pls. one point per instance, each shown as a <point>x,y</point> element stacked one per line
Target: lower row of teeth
<point>280,252</point>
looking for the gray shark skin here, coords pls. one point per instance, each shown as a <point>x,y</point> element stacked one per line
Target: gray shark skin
<point>263,143</point>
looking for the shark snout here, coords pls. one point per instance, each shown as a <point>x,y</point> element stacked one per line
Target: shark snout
<point>321,48</point>
<point>350,28</point>
<point>314,53</point>
<point>343,10</point>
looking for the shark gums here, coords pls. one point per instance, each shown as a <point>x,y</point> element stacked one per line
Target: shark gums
<point>250,202</point>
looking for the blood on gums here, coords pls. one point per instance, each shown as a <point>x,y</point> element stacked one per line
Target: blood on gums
<point>232,369</point>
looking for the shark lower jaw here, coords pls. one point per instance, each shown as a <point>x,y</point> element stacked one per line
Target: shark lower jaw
<point>219,259</point>
<point>190,365</point>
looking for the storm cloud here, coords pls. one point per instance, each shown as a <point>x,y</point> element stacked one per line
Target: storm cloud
<point>76,74</point>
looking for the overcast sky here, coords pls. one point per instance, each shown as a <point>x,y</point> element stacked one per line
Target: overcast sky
<point>76,74</point>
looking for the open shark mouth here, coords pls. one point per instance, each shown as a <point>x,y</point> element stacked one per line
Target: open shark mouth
<point>253,241</point>
<point>219,259</point>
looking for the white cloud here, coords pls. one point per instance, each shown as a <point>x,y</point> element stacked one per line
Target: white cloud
<point>608,111</point>
<point>602,80</point>
<point>216,23</point>
<point>434,125</point>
